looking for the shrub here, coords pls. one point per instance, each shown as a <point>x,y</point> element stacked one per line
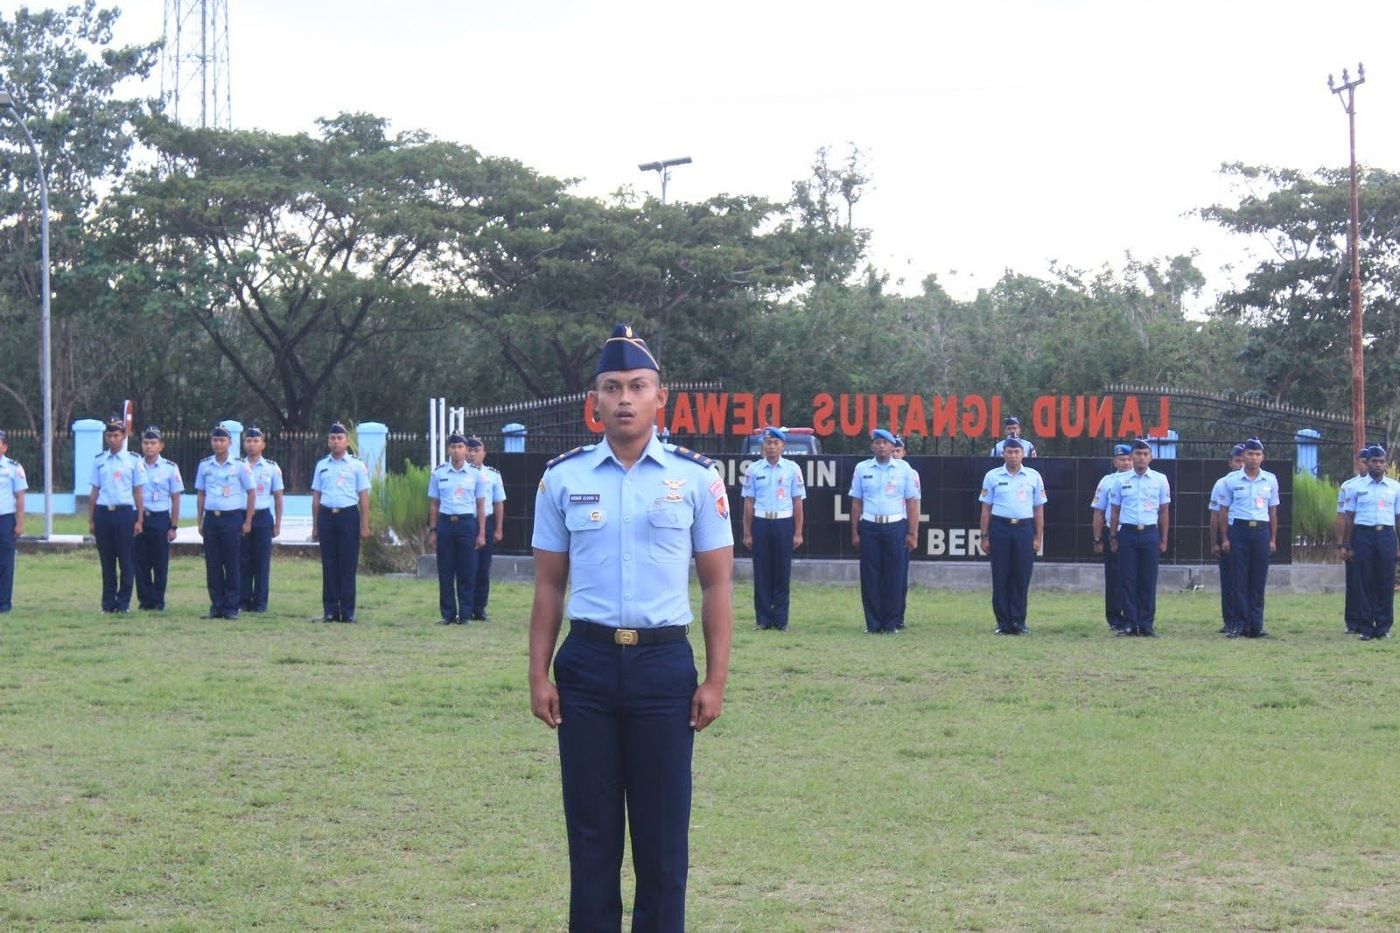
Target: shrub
<point>398,520</point>
<point>1314,507</point>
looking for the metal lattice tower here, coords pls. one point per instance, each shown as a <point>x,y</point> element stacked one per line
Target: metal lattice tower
<point>194,66</point>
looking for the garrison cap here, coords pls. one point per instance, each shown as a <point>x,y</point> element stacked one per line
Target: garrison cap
<point>1254,443</point>
<point>1140,444</point>
<point>455,438</point>
<point>880,434</point>
<point>220,431</point>
<point>898,441</point>
<point>1238,449</point>
<point>1363,453</point>
<point>1120,450</point>
<point>1012,443</point>
<point>337,428</point>
<point>624,350</point>
<point>253,432</point>
<point>114,423</point>
<point>1374,451</point>
<point>152,433</point>
<point>473,441</point>
<point>1010,420</point>
<point>771,431</point>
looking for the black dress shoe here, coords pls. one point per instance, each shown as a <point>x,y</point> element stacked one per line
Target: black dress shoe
<point>212,615</point>
<point>1233,634</point>
<point>1147,633</point>
<point>480,617</point>
<point>232,617</point>
<point>446,621</point>
<point>1364,637</point>
<point>350,619</point>
<point>1124,633</point>
<point>326,619</point>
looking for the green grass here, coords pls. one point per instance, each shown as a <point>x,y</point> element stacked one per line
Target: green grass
<point>161,771</point>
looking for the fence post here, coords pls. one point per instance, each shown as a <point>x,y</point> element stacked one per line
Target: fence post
<point>514,438</point>
<point>87,444</point>
<point>235,433</point>
<point>373,438</point>
<point>1164,448</point>
<point>1307,440</point>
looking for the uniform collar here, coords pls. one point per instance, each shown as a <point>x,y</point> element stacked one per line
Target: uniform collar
<point>466,465</point>
<point>604,452</point>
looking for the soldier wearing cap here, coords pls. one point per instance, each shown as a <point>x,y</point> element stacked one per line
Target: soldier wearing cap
<point>12,487</point>
<point>1013,528</point>
<point>773,493</point>
<point>1011,427</point>
<point>1250,503</point>
<point>225,498</point>
<point>1351,608</point>
<point>457,492</point>
<point>339,521</point>
<point>160,519</point>
<point>115,510</point>
<point>1230,620</point>
<point>899,452</point>
<point>885,498</point>
<point>1112,585</point>
<point>1138,531</point>
<point>618,522</point>
<point>255,550</point>
<point>1369,519</point>
<point>495,526</point>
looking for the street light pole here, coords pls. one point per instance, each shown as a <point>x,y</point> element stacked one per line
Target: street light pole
<point>663,168</point>
<point>7,102</point>
<point>1358,363</point>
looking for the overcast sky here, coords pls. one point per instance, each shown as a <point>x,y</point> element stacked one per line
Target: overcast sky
<point>998,134</point>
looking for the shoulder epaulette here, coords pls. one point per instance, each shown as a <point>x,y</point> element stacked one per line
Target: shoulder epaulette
<point>491,468</point>
<point>567,454</point>
<point>689,454</point>
<point>207,459</point>
<point>269,462</point>
<point>100,455</point>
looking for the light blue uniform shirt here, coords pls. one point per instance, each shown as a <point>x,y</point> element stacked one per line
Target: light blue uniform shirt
<point>1139,496</point>
<point>773,486</point>
<point>1373,502</point>
<point>340,482</point>
<point>1013,495</point>
<point>267,479</point>
<point>498,485</point>
<point>1028,449</point>
<point>630,534</point>
<point>1218,496</point>
<point>225,485</point>
<point>883,487</point>
<point>1248,499</point>
<point>115,475</point>
<point>1100,501</point>
<point>1342,492</point>
<point>457,490</point>
<point>12,482</point>
<point>162,481</point>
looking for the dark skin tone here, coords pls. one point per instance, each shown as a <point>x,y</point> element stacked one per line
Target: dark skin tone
<point>1012,456</point>
<point>150,451</point>
<point>1375,469</point>
<point>1141,460</point>
<point>1253,462</point>
<point>339,446</point>
<point>457,453</point>
<point>220,446</point>
<point>884,451</point>
<point>115,442</point>
<point>772,451</point>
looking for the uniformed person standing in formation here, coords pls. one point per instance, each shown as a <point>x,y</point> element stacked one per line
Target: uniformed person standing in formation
<point>618,522</point>
<point>225,499</point>
<point>885,498</point>
<point>1013,527</point>
<point>1370,512</point>
<point>773,493</point>
<point>495,527</point>
<point>1112,585</point>
<point>457,493</point>
<point>1250,502</point>
<point>899,452</point>
<point>160,520</point>
<point>255,551</point>
<point>1351,608</point>
<point>1224,560</point>
<point>12,487</point>
<point>1138,532</point>
<point>339,521</point>
<point>115,511</point>
<point>1011,427</point>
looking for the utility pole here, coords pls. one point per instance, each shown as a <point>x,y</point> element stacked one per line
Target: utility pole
<point>663,168</point>
<point>1358,362</point>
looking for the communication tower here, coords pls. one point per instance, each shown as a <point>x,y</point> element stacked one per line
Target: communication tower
<point>194,72</point>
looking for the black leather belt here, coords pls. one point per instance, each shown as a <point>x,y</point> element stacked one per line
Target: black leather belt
<point>1374,527</point>
<point>338,509</point>
<point>1257,524</point>
<point>455,518</point>
<point>118,508</point>
<point>627,636</point>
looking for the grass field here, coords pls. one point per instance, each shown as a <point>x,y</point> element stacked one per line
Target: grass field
<point>168,773</point>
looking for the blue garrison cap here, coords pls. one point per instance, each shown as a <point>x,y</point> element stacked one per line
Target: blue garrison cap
<point>152,433</point>
<point>3,437</point>
<point>1236,450</point>
<point>880,434</point>
<point>1375,450</point>
<point>220,431</point>
<point>1140,444</point>
<point>455,438</point>
<point>253,432</point>
<point>898,440</point>
<point>771,431</point>
<point>1120,450</point>
<point>474,441</point>
<point>1012,443</point>
<point>337,428</point>
<point>1363,453</point>
<point>624,350</point>
<point>115,423</point>
<point>1254,444</point>
<point>1010,420</point>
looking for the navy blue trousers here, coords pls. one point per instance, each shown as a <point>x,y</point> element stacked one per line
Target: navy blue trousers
<point>1013,560</point>
<point>1229,603</point>
<point>1374,557</point>
<point>482,592</point>
<point>223,536</point>
<point>456,565</point>
<point>255,562</point>
<point>151,551</point>
<point>115,531</point>
<point>1352,613</point>
<point>625,746</point>
<point>1250,549</point>
<point>882,574</point>
<point>1137,565</point>
<point>772,570</point>
<point>339,534</point>
<point>1112,590</point>
<point>7,560</point>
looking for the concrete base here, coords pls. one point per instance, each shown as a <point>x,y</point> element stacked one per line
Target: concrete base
<point>972,575</point>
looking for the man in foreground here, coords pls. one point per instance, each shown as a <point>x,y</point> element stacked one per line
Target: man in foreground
<point>1013,528</point>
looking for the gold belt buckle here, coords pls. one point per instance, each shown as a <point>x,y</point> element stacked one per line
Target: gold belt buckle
<point>1254,524</point>
<point>625,636</point>
<point>335,511</point>
<point>217,514</point>
<point>111,508</point>
<point>1014,521</point>
<point>1141,527</point>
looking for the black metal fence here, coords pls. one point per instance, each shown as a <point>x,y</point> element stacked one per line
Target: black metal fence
<point>27,448</point>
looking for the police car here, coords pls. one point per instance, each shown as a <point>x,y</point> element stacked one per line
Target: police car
<point>801,442</point>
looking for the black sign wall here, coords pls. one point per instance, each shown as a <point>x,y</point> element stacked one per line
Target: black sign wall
<point>948,528</point>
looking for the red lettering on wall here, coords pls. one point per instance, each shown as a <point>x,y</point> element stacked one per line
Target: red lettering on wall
<point>945,416</point>
<point>711,411</point>
<point>1131,425</point>
<point>1101,417</point>
<point>743,413</point>
<point>893,405</point>
<point>823,407</point>
<point>850,414</point>
<point>770,409</point>
<point>974,420</point>
<point>915,422</point>
<point>1043,416</point>
<point>1072,422</point>
<point>683,418</point>
<point>1164,417</point>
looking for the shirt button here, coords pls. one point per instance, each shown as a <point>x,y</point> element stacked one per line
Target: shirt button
<point>626,595</point>
<point>626,518</point>
<point>626,556</point>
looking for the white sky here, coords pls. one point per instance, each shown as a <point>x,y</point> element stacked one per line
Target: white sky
<point>999,134</point>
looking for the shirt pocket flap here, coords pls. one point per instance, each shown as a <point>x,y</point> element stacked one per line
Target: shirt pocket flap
<point>671,518</point>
